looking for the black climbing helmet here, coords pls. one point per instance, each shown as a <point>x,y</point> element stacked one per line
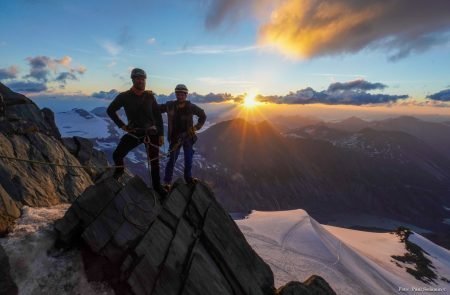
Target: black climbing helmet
<point>181,88</point>
<point>136,72</point>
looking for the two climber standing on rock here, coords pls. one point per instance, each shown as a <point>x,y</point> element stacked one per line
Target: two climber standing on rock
<point>145,124</point>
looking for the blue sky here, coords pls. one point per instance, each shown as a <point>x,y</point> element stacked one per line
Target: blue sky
<point>272,47</point>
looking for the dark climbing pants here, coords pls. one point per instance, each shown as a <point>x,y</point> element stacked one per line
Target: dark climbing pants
<point>126,144</point>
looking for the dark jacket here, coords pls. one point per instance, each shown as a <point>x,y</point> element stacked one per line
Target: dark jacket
<point>142,111</point>
<point>170,108</point>
<point>2,106</point>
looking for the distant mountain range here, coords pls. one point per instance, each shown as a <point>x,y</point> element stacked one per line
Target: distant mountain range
<point>384,173</point>
<point>352,166</point>
<point>436,135</point>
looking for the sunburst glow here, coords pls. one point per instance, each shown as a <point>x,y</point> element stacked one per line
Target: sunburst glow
<point>250,99</point>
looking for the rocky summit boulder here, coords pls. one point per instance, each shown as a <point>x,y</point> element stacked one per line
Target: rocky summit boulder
<point>186,244</point>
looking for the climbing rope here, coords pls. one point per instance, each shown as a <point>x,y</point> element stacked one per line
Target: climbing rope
<point>162,154</point>
<point>126,212</point>
<point>57,164</point>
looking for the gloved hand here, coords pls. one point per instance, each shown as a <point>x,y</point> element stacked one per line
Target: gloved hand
<point>191,131</point>
<point>126,128</point>
<point>161,141</point>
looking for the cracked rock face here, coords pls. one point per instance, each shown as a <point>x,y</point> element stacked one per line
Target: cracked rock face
<point>83,150</point>
<point>29,133</point>
<point>185,245</point>
<point>24,183</point>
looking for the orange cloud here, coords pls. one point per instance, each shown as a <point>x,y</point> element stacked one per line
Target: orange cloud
<point>309,28</point>
<point>306,28</point>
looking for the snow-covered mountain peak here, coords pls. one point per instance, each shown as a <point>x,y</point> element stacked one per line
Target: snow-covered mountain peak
<point>353,262</point>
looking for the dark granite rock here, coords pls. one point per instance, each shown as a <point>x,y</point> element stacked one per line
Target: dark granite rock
<point>83,150</point>
<point>24,116</point>
<point>9,211</point>
<point>49,118</point>
<point>185,245</point>
<point>314,285</point>
<point>27,133</point>
<point>36,184</point>
<point>7,285</point>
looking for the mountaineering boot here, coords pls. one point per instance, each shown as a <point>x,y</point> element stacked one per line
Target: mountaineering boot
<point>161,191</point>
<point>118,174</point>
<point>191,180</point>
<point>167,187</point>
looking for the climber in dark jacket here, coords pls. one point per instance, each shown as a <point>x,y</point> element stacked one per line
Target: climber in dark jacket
<point>144,118</point>
<point>181,132</point>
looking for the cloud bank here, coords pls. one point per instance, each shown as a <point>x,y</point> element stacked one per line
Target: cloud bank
<point>110,95</point>
<point>348,93</point>
<point>311,28</point>
<point>44,73</point>
<point>443,95</point>
<point>9,73</point>
<point>27,86</point>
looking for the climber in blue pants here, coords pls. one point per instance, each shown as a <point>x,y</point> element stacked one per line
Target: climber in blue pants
<point>181,132</point>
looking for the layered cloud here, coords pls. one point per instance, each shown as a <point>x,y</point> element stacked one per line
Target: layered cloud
<point>9,73</point>
<point>64,76</point>
<point>443,95</point>
<point>356,86</point>
<point>44,72</point>
<point>110,95</point>
<point>199,98</point>
<point>27,86</point>
<point>348,93</point>
<point>310,28</point>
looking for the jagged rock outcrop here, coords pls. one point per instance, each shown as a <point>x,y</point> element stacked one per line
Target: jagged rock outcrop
<point>31,134</point>
<point>49,118</point>
<point>188,244</point>
<point>83,150</point>
<point>33,184</point>
<point>314,285</point>
<point>24,116</point>
<point>7,285</point>
<point>184,244</point>
<point>9,211</point>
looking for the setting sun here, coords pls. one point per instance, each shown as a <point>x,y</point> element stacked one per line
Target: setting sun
<point>250,99</point>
